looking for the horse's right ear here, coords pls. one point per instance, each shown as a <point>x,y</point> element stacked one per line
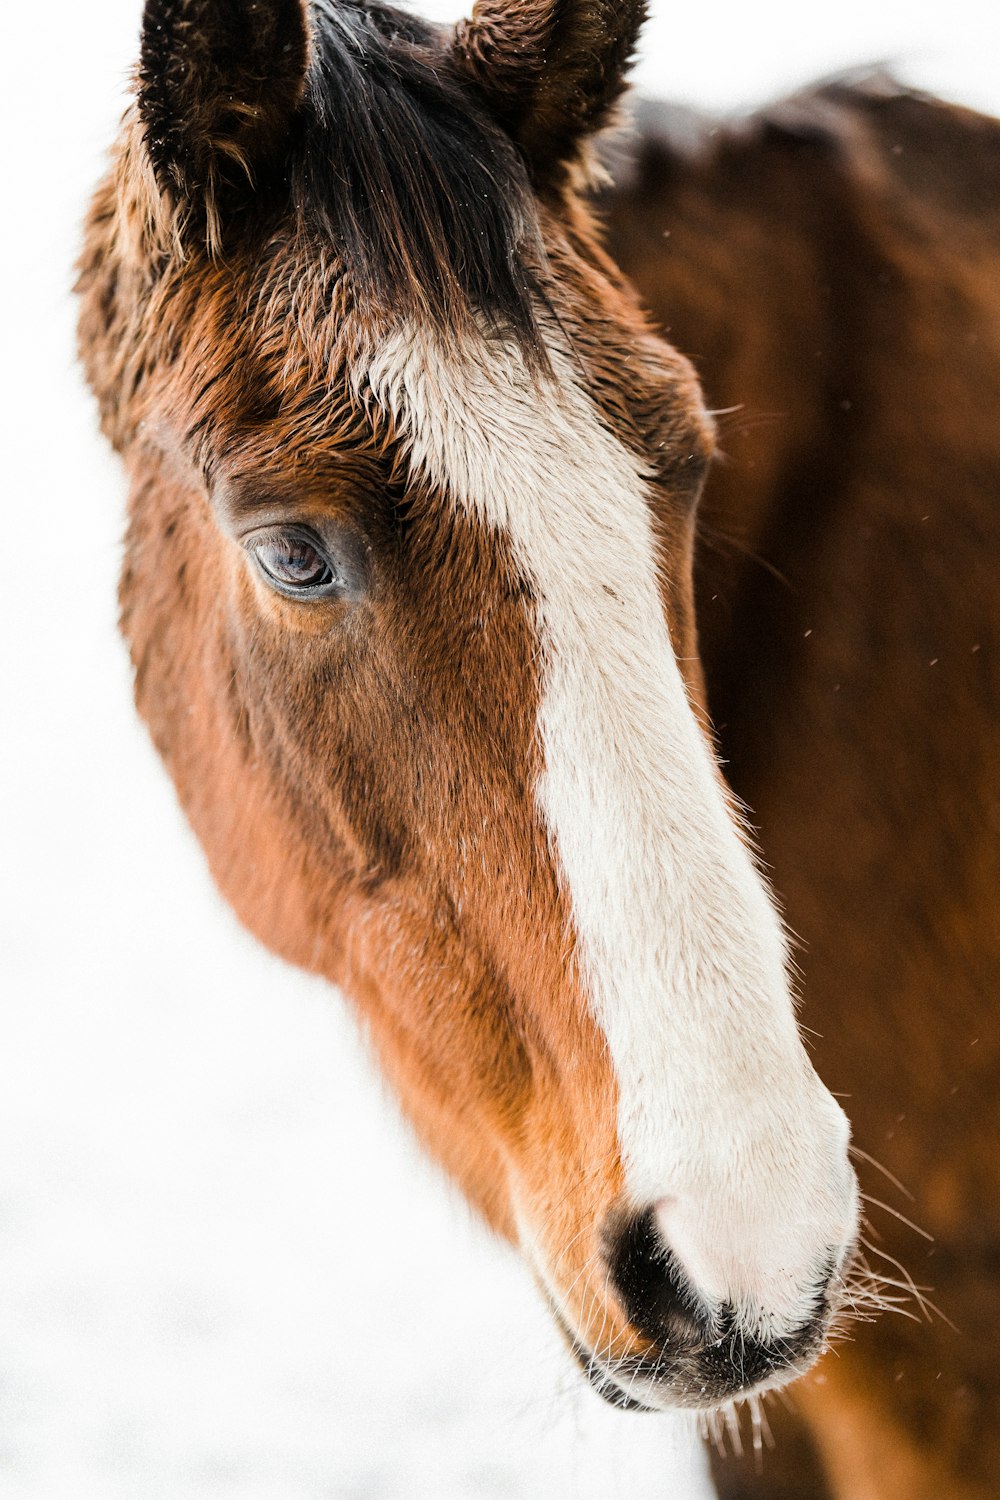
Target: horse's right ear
<point>219,83</point>
<point>550,70</point>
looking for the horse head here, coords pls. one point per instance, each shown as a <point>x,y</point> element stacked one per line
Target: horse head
<point>408,589</point>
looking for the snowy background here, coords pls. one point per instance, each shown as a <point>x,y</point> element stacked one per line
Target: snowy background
<point>225,1274</point>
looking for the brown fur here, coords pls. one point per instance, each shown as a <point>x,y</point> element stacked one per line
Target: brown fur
<point>360,771</point>
<point>215,101</point>
<point>552,73</point>
<point>833,269</point>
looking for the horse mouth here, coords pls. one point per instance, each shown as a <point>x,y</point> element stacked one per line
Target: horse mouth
<point>728,1368</point>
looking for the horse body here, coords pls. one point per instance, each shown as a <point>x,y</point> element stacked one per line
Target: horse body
<point>409,588</point>
<point>832,267</point>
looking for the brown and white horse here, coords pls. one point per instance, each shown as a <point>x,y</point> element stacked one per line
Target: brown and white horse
<point>409,592</point>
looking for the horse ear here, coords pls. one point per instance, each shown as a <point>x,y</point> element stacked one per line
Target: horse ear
<point>219,83</point>
<point>551,70</point>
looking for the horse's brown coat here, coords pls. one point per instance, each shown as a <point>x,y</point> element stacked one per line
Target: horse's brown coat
<point>833,270</point>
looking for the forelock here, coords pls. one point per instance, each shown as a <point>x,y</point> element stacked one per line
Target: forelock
<point>401,172</point>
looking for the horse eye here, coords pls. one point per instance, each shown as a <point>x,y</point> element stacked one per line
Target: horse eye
<point>292,563</point>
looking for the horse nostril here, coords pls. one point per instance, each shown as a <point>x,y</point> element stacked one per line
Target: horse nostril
<point>703,1354</point>
<point>649,1287</point>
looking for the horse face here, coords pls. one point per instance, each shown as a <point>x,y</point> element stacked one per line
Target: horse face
<point>408,591</point>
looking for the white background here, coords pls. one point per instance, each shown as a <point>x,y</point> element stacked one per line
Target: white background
<point>224,1271</point>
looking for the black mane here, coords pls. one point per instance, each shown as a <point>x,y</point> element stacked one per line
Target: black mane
<point>425,199</point>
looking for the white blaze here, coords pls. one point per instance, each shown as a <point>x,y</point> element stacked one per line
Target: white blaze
<point>722,1120</point>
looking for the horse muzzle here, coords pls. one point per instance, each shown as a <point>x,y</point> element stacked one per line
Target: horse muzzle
<point>719,1363</point>
<point>682,1351</point>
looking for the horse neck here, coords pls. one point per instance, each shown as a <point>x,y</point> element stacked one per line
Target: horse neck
<point>828,268</point>
<point>754,258</point>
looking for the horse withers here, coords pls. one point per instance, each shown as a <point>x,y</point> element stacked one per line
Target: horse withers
<point>408,589</point>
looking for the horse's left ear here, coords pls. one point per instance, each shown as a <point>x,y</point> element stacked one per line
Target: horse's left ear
<point>219,83</point>
<point>551,70</point>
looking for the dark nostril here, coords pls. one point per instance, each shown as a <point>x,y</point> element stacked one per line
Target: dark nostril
<point>649,1288</point>
<point>713,1352</point>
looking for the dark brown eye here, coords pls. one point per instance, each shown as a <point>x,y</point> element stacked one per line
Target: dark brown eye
<point>293,563</point>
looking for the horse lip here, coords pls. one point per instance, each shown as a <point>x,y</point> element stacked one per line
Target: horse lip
<point>615,1394</point>
<point>609,1390</point>
<point>601,1379</point>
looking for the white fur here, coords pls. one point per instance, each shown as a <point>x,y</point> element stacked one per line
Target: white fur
<point>722,1121</point>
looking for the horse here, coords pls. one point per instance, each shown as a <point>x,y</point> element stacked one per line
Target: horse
<point>412,573</point>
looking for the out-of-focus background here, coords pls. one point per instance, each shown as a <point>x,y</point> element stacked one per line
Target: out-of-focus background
<point>225,1273</point>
